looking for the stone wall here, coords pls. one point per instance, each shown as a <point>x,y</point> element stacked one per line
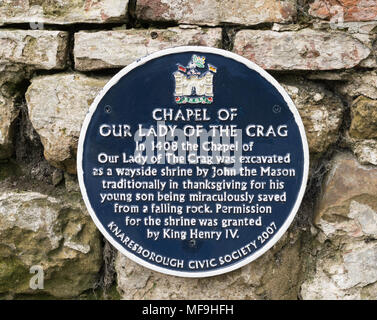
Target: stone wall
<point>55,56</point>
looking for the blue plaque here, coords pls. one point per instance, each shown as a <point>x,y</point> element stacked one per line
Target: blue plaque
<point>193,161</point>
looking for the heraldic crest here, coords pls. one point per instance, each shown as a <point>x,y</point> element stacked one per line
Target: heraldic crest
<point>192,83</point>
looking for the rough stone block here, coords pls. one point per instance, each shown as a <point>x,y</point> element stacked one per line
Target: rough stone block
<point>321,112</point>
<point>363,83</point>
<point>344,10</point>
<point>366,151</point>
<point>10,77</point>
<point>54,232</point>
<point>38,49</point>
<point>345,265</point>
<point>57,107</point>
<point>306,49</point>
<point>118,48</point>
<point>364,118</point>
<point>214,12</point>
<point>62,11</point>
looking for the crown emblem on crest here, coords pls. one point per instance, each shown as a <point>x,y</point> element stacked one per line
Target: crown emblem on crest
<point>192,83</point>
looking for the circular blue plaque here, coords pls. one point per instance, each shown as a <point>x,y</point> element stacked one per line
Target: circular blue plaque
<point>193,161</point>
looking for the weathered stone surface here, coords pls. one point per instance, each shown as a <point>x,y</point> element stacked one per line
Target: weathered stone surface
<point>302,50</point>
<point>344,10</point>
<point>214,12</point>
<point>363,118</point>
<point>364,83</point>
<point>10,77</point>
<point>346,264</point>
<point>57,107</point>
<point>345,275</point>
<point>366,151</point>
<point>8,113</point>
<point>54,232</point>
<point>369,41</point>
<point>36,48</point>
<point>272,276</point>
<point>71,183</point>
<point>348,180</point>
<point>118,48</point>
<point>363,31</point>
<point>320,110</point>
<point>62,11</point>
<point>281,27</point>
<point>351,27</point>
